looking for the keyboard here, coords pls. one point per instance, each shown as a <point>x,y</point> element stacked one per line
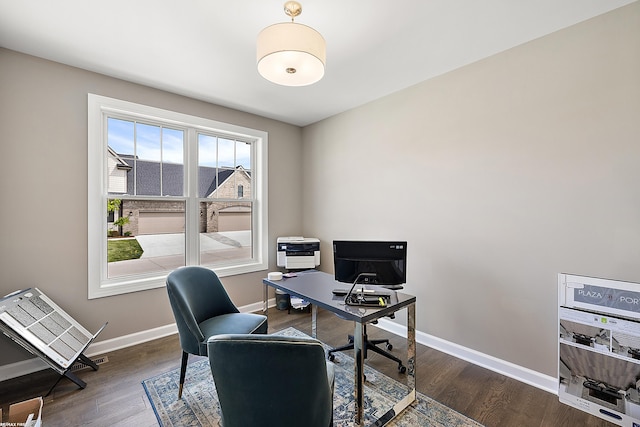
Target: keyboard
<point>367,292</point>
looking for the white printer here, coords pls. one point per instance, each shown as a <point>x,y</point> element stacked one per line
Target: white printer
<point>297,253</point>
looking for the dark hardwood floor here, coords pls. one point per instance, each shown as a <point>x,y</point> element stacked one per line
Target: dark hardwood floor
<point>114,395</point>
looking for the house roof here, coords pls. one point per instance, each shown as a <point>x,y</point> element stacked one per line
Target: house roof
<point>120,162</point>
<point>147,174</point>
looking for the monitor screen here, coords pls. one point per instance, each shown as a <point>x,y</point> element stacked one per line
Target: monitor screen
<point>387,260</point>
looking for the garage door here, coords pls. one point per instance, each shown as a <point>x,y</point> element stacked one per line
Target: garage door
<point>234,221</point>
<point>161,222</point>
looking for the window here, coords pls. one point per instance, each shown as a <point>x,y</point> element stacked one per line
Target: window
<point>167,190</point>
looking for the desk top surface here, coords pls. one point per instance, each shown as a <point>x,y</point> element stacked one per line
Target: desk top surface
<point>317,288</point>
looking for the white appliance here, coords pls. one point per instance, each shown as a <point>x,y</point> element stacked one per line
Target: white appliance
<point>298,253</point>
<point>599,347</point>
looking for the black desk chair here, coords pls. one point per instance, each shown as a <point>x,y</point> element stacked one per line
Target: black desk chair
<point>372,344</point>
<point>202,308</point>
<point>272,381</point>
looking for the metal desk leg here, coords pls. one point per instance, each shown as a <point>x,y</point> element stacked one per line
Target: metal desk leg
<point>265,299</point>
<point>411,349</point>
<point>358,352</point>
<point>403,403</point>
<point>314,321</point>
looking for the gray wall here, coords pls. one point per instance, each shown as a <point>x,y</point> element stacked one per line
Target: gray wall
<point>500,175</point>
<point>43,178</point>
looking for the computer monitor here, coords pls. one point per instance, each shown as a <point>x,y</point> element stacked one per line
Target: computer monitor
<point>382,262</point>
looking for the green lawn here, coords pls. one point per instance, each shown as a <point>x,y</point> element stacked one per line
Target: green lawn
<point>123,249</point>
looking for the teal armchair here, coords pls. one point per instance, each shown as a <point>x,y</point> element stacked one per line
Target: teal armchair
<point>272,381</point>
<point>202,309</point>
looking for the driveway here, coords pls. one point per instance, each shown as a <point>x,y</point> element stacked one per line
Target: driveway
<point>157,245</point>
<point>165,252</point>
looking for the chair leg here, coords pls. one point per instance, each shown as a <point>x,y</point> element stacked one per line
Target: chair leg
<point>380,351</point>
<point>183,370</point>
<point>378,342</point>
<point>368,345</point>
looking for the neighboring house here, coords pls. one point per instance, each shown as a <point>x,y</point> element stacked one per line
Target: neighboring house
<point>153,179</point>
<point>117,170</point>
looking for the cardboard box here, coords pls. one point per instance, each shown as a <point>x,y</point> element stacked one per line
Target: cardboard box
<point>27,413</point>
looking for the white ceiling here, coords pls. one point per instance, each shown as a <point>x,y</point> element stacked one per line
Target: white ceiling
<point>205,49</point>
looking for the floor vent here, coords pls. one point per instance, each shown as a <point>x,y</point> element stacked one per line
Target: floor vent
<point>78,366</point>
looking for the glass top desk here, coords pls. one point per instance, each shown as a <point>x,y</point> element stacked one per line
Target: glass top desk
<point>317,287</point>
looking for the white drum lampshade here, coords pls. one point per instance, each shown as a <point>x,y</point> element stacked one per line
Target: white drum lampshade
<point>291,54</point>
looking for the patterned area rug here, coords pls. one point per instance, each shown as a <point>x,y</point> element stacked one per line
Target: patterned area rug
<point>199,404</point>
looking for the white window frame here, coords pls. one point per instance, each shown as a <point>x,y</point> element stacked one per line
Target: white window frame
<point>99,285</point>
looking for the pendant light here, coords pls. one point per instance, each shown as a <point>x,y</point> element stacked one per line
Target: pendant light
<point>291,54</point>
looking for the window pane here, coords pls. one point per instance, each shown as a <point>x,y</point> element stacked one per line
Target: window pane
<point>144,159</point>
<point>207,162</point>
<point>207,150</point>
<point>149,237</point>
<point>147,162</point>
<point>172,162</point>
<point>226,153</point>
<point>243,154</point>
<point>120,136</point>
<point>148,142</point>
<point>224,167</point>
<point>147,178</point>
<point>225,232</point>
<point>172,146</point>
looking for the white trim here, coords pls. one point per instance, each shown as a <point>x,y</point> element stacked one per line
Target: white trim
<point>503,367</point>
<point>113,344</point>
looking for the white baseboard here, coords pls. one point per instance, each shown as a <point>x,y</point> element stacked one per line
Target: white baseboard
<point>522,374</point>
<point>102,347</point>
<point>28,366</point>
<point>25,367</point>
<point>508,369</point>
